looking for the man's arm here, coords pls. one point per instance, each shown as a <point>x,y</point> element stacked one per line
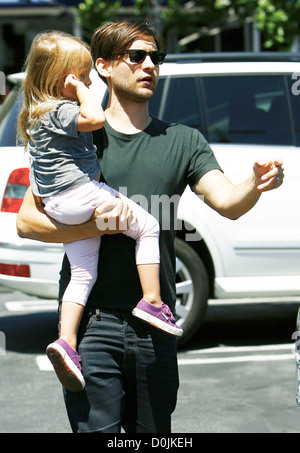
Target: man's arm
<point>34,223</point>
<point>233,201</point>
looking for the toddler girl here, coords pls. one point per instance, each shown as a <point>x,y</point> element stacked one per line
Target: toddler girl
<point>56,124</point>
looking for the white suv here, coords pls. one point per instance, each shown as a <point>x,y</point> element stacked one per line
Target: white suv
<point>247,106</point>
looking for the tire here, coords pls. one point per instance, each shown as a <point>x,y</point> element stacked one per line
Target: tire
<point>192,289</point>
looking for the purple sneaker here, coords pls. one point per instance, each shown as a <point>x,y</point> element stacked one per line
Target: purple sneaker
<point>66,364</point>
<point>160,317</point>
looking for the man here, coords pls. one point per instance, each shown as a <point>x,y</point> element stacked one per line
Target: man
<point>130,368</point>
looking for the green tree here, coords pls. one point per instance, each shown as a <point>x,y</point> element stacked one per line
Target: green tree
<point>277,20</point>
<point>179,20</point>
<point>93,13</point>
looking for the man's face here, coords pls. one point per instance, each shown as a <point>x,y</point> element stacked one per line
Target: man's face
<point>132,81</point>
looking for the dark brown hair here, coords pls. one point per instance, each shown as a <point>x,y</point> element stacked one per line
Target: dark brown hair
<point>114,37</point>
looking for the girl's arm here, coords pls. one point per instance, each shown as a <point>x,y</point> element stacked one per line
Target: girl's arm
<point>91,115</point>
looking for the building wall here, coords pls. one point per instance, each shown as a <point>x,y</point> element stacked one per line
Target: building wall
<point>17,30</point>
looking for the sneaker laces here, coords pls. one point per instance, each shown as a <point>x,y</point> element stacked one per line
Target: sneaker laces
<point>77,360</point>
<point>166,309</point>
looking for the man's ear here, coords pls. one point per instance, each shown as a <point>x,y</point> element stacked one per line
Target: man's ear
<point>103,67</point>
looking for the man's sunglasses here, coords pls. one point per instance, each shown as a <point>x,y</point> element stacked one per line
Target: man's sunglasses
<point>138,56</point>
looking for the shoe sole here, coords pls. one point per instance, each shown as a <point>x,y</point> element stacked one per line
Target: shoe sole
<point>141,314</point>
<point>66,370</point>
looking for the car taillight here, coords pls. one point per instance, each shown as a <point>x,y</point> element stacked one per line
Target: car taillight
<point>15,270</point>
<point>16,187</point>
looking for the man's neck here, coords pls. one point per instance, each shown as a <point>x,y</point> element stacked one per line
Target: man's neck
<point>128,119</point>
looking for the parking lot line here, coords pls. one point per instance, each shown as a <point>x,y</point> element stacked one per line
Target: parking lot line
<point>43,363</point>
<point>247,354</point>
<point>237,359</point>
<point>228,349</point>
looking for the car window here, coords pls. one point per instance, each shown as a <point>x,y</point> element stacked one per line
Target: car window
<point>180,101</point>
<point>156,102</point>
<point>226,109</point>
<point>248,109</point>
<point>9,112</point>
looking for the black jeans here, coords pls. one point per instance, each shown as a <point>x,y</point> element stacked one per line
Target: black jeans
<point>131,376</point>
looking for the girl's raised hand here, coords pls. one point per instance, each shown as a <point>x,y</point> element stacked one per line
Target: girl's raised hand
<point>69,88</point>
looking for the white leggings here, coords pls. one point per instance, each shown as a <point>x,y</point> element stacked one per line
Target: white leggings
<point>76,206</point>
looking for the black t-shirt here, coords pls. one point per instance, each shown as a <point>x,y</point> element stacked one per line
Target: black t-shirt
<point>152,167</point>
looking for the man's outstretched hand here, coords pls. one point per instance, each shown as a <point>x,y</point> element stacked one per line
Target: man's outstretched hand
<point>268,175</point>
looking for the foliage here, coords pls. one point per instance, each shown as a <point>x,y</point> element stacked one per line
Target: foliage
<point>278,20</point>
<point>93,13</point>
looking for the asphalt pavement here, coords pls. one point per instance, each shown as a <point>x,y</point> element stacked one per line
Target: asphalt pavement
<point>237,375</point>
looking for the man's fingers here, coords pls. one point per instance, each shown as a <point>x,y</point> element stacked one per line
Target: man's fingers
<point>105,207</point>
<point>114,216</point>
<point>271,180</point>
<point>126,216</point>
<point>269,175</point>
<point>276,171</point>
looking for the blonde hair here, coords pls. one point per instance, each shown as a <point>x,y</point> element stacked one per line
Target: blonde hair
<point>52,56</point>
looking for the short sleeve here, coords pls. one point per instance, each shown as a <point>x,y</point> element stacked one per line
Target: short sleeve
<point>63,119</point>
<point>202,158</point>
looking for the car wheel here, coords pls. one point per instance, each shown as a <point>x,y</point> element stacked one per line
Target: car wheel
<point>192,290</point>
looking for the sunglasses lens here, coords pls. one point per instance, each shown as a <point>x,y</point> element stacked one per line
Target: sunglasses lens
<point>157,57</point>
<point>138,56</point>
